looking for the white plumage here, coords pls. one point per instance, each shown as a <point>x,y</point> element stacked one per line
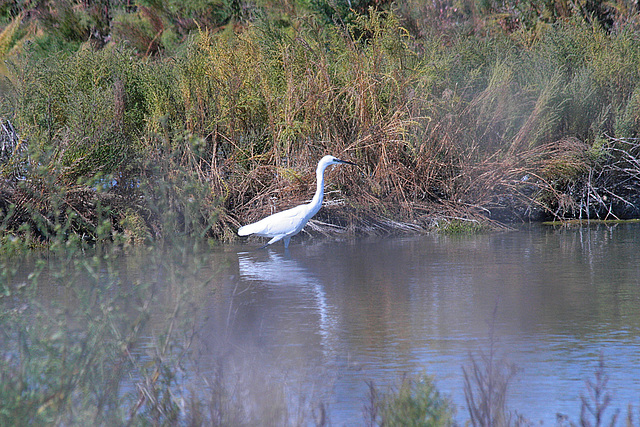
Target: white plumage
<point>283,225</point>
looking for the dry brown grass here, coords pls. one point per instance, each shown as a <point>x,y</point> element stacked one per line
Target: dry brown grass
<point>230,127</point>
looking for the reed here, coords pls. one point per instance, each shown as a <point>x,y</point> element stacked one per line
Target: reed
<point>486,381</point>
<point>216,119</point>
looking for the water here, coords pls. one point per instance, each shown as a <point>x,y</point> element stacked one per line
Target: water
<point>315,324</point>
<point>328,316</point>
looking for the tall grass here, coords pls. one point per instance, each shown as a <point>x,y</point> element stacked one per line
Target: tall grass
<point>449,116</point>
<point>486,382</point>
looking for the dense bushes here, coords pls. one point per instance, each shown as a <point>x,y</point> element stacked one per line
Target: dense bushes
<point>196,120</point>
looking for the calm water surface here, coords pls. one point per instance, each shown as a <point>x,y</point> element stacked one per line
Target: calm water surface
<point>325,317</point>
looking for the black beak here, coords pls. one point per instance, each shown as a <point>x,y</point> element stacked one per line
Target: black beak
<point>346,162</point>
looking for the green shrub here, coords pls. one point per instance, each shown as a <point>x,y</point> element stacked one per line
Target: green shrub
<point>628,118</point>
<point>416,402</point>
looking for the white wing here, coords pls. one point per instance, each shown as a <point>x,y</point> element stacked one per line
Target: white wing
<point>286,222</point>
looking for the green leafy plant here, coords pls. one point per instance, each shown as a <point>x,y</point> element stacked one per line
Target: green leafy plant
<point>416,402</point>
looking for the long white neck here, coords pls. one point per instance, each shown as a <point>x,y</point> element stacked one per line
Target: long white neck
<point>316,202</point>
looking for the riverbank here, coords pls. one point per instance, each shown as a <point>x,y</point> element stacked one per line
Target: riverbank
<point>149,120</point>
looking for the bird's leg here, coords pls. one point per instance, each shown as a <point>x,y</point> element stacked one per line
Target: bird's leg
<point>275,239</point>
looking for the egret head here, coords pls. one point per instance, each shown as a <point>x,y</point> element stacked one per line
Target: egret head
<point>330,160</point>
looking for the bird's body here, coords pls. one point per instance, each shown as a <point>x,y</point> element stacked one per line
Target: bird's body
<point>280,225</point>
<point>283,225</point>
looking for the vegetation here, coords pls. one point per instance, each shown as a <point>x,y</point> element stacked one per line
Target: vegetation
<point>416,402</point>
<point>140,121</point>
<point>202,115</point>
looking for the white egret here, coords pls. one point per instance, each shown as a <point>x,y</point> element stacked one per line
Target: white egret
<point>283,225</point>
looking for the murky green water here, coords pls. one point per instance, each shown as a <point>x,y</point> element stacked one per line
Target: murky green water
<point>338,313</point>
<point>314,324</point>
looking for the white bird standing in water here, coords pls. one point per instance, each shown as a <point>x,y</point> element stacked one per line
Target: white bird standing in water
<point>283,225</point>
